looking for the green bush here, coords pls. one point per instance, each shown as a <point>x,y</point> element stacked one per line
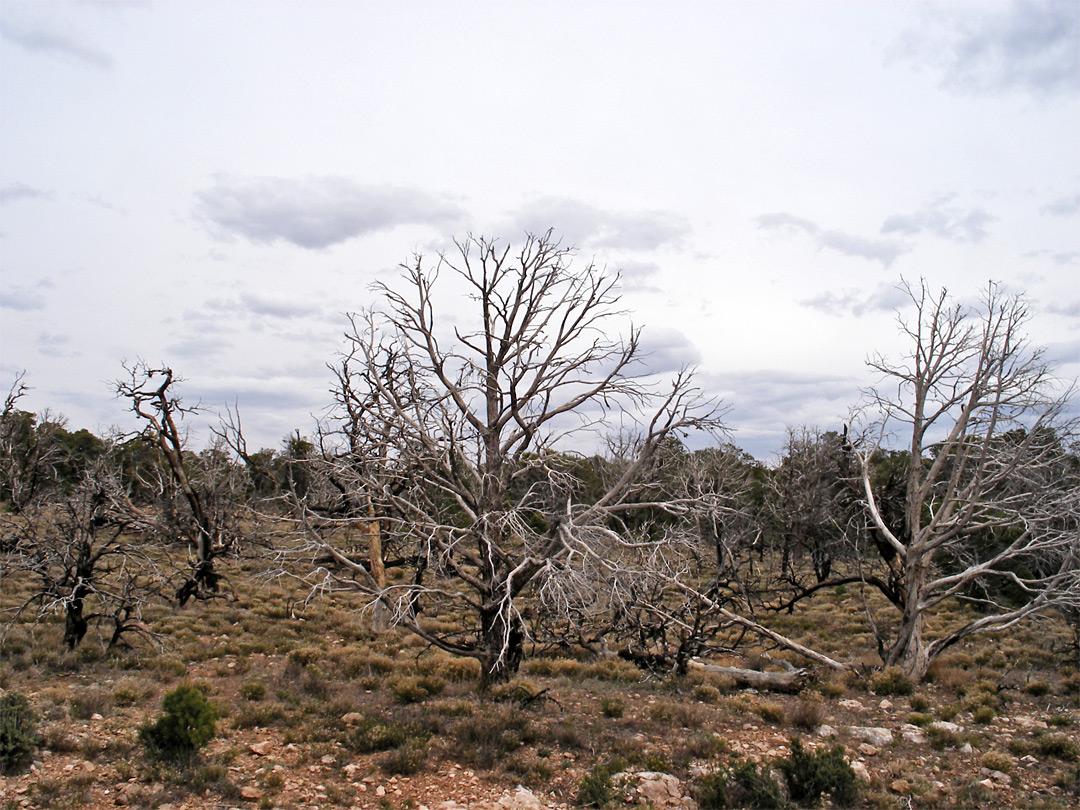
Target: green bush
<point>188,723</point>
<point>1061,746</point>
<point>751,786</point>
<point>612,707</point>
<point>597,788</point>
<point>891,681</point>
<point>253,690</point>
<point>811,774</point>
<point>712,791</point>
<point>374,734</point>
<point>18,731</point>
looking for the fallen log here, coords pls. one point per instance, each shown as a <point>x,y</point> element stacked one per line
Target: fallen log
<point>791,681</point>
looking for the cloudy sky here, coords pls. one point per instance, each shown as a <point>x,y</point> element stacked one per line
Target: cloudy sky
<point>213,185</point>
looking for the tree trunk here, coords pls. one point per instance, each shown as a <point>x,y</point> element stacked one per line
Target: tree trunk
<point>75,624</point>
<point>502,644</point>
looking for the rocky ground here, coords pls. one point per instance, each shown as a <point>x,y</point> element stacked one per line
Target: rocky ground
<point>97,761</point>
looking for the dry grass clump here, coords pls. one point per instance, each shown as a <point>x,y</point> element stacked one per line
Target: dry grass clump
<point>891,681</point>
<point>415,688</point>
<point>483,740</point>
<point>555,667</point>
<point>808,712</point>
<point>615,670</point>
<point>997,761</point>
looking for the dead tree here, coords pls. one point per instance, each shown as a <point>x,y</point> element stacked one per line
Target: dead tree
<point>90,554</point>
<point>207,524</point>
<point>453,433</point>
<point>991,503</point>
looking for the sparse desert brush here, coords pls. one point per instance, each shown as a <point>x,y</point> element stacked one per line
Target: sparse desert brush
<point>615,670</point>
<point>997,761</point>
<point>415,688</point>
<point>484,739</point>
<point>984,715</point>
<point>253,690</point>
<point>920,703</point>
<point>132,691</point>
<point>770,711</point>
<point>1058,745</point>
<point>528,769</point>
<point>706,746</point>
<point>455,669</point>
<point>678,713</point>
<point>88,702</point>
<point>612,707</point>
<point>947,711</point>
<point>707,693</point>
<point>454,708</point>
<point>891,681</point>
<point>920,719</point>
<point>18,731</point>
<point>941,738</point>
<point>358,665</point>
<point>1037,688</point>
<point>807,713</point>
<point>519,690</point>
<point>407,758</point>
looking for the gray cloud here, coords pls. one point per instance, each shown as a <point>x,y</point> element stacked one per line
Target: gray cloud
<point>667,350</point>
<point>1031,46</point>
<point>1062,207</point>
<point>884,298</point>
<point>1071,309</point>
<point>24,299</point>
<point>54,345</point>
<point>639,276</point>
<point>316,212</point>
<point>585,226</point>
<point>13,192</point>
<point>885,251</point>
<point>941,220</point>
<point>54,43</point>
<point>764,403</point>
<point>277,307</point>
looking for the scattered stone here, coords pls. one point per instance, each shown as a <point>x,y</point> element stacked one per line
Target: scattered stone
<point>262,748</point>
<point>912,734</point>
<point>867,750</point>
<point>885,705</point>
<point>861,770</point>
<point>352,718</point>
<point>96,716</point>
<point>987,783</point>
<point>653,788</point>
<point>944,725</point>
<point>826,730</point>
<point>901,786</point>
<point>380,791</point>
<point>250,793</point>
<point>874,735</point>
<point>328,760</point>
<point>966,749</point>
<point>520,799</point>
<point>849,703</point>
<point>998,776</point>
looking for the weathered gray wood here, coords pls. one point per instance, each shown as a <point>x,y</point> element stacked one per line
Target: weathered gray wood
<point>780,681</point>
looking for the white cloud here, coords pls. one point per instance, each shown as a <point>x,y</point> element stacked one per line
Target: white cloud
<point>53,42</point>
<point>986,48</point>
<point>947,222</point>
<point>883,298</point>
<point>316,212</point>
<point>1062,206</point>
<point>13,192</point>
<point>885,251</point>
<point>586,226</point>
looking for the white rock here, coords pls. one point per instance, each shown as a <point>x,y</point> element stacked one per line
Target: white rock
<point>875,735</point>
